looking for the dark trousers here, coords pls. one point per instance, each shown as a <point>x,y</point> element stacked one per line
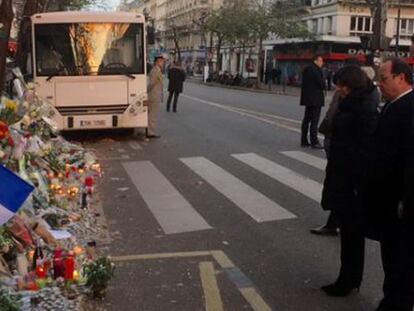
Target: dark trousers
<point>170,96</point>
<point>310,124</point>
<point>352,250</point>
<point>397,251</point>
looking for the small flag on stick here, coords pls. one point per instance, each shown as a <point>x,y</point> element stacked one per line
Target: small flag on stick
<point>13,192</point>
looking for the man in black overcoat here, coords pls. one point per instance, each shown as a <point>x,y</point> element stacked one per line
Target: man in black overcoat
<point>176,77</point>
<point>389,192</point>
<point>313,98</point>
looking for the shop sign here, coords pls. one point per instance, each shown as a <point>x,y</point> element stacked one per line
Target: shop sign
<point>401,54</point>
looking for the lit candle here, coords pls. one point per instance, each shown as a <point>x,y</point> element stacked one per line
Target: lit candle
<point>40,272</point>
<point>78,250</point>
<point>76,275</point>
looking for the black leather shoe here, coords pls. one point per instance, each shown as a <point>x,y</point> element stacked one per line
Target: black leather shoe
<point>317,146</point>
<point>305,145</point>
<point>339,289</point>
<point>324,230</point>
<point>153,136</point>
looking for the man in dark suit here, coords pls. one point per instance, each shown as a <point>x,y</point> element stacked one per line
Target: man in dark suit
<point>390,186</point>
<point>313,98</point>
<point>176,77</point>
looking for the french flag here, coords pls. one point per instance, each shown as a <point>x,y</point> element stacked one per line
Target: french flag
<point>13,192</point>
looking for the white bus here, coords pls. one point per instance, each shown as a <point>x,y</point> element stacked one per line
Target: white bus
<point>91,66</point>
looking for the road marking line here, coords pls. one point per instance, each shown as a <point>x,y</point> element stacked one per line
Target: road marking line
<point>300,183</point>
<point>239,279</point>
<point>255,300</point>
<point>210,287</point>
<point>253,114</point>
<point>252,202</point>
<point>237,110</point>
<point>135,146</point>
<point>160,256</point>
<point>169,207</point>
<point>222,259</point>
<point>306,158</point>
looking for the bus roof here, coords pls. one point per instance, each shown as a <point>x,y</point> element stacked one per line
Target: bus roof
<point>87,17</point>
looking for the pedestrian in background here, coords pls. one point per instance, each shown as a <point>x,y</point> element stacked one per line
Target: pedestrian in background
<point>313,98</point>
<point>176,77</point>
<point>349,154</point>
<point>155,94</point>
<point>388,196</point>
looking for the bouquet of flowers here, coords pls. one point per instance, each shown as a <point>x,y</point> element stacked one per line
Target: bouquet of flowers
<point>98,274</point>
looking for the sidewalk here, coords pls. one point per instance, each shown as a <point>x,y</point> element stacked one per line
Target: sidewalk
<point>275,89</point>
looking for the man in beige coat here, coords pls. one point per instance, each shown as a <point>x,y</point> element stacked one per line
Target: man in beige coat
<point>155,95</point>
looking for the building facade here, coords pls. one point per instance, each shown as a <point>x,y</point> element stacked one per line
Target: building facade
<point>340,28</point>
<point>178,28</point>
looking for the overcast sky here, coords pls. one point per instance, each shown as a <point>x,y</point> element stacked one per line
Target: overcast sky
<point>108,4</point>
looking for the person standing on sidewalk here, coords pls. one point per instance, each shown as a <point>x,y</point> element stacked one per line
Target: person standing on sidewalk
<point>313,98</point>
<point>155,94</point>
<point>176,77</point>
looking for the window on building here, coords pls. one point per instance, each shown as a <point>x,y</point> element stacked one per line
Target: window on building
<point>406,28</point>
<point>360,25</point>
<point>328,25</point>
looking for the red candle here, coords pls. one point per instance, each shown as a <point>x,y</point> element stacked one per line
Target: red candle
<point>89,181</point>
<point>69,267</point>
<point>58,264</point>
<point>40,272</point>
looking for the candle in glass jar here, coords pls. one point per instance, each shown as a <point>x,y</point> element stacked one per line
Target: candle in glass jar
<point>69,267</point>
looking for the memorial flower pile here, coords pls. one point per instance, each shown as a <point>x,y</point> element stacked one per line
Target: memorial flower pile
<point>47,247</point>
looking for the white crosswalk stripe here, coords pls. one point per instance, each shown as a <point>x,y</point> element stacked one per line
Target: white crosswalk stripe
<point>255,204</point>
<point>176,215</point>
<point>300,183</point>
<point>306,158</point>
<point>170,208</point>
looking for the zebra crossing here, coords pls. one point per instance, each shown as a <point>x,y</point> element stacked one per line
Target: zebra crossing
<point>175,214</point>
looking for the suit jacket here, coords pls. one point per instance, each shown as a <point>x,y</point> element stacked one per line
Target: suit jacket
<point>176,77</point>
<point>408,200</point>
<point>155,86</point>
<point>390,179</point>
<point>313,86</point>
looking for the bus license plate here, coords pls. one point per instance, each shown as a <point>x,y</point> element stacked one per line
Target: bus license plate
<point>89,123</point>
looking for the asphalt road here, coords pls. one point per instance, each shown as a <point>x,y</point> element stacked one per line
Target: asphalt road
<point>216,213</point>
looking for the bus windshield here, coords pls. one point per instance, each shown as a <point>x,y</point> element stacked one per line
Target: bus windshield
<point>84,49</point>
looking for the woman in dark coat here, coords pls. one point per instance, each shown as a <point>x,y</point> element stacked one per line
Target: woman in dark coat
<point>176,77</point>
<point>352,129</point>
